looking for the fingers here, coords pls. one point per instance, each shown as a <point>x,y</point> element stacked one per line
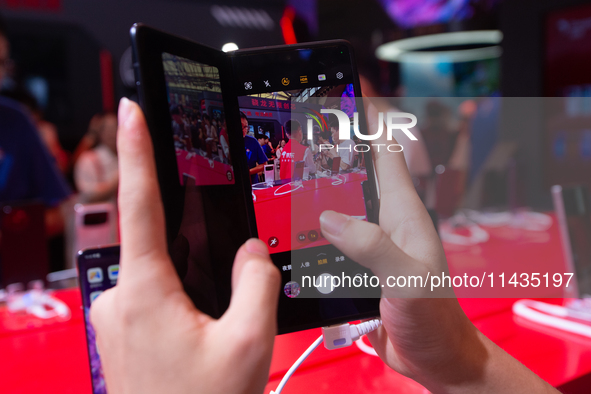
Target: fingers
<point>255,288</point>
<point>140,206</point>
<point>392,172</point>
<point>367,244</point>
<point>397,190</point>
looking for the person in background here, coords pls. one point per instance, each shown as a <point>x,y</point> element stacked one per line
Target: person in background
<point>294,151</point>
<point>280,147</point>
<point>91,139</point>
<point>178,127</point>
<point>345,149</point>
<point>321,159</point>
<point>47,130</point>
<point>28,172</point>
<point>195,133</point>
<point>211,135</point>
<point>96,171</point>
<point>264,141</point>
<point>255,156</point>
<point>224,141</point>
<point>314,143</point>
<point>270,146</point>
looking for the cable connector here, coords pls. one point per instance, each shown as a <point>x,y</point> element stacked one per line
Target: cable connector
<point>335,337</point>
<point>343,335</point>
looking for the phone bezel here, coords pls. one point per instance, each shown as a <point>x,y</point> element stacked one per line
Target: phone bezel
<point>224,239</point>
<point>148,44</point>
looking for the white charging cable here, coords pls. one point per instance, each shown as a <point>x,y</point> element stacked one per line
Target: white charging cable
<point>551,316</point>
<point>334,337</point>
<point>296,184</point>
<point>365,348</point>
<point>338,180</point>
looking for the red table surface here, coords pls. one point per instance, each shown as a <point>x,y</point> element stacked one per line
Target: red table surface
<point>288,210</point>
<point>54,360</point>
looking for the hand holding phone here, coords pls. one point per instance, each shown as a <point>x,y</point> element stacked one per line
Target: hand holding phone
<point>427,339</point>
<point>151,338</point>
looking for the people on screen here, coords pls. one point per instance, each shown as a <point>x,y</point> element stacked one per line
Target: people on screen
<point>255,156</point>
<point>294,151</point>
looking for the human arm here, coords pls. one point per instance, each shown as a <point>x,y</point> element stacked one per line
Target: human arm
<point>261,160</point>
<point>426,337</point>
<point>258,169</point>
<point>151,337</point>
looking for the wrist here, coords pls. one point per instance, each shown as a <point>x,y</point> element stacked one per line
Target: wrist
<point>463,368</point>
<point>448,358</point>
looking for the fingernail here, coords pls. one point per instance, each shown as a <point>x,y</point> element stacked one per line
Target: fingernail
<point>124,111</point>
<point>333,222</point>
<point>257,246</point>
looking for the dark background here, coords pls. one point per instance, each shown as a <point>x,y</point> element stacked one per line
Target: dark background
<point>72,43</point>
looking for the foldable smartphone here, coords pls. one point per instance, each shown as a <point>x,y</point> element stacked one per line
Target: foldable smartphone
<point>208,112</point>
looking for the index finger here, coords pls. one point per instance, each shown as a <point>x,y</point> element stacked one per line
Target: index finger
<point>141,216</point>
<point>399,201</point>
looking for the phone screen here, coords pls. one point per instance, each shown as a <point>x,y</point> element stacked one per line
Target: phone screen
<point>281,90</point>
<point>98,271</point>
<point>199,125</point>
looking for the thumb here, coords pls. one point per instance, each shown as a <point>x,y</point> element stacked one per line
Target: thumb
<point>367,244</point>
<point>255,289</point>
